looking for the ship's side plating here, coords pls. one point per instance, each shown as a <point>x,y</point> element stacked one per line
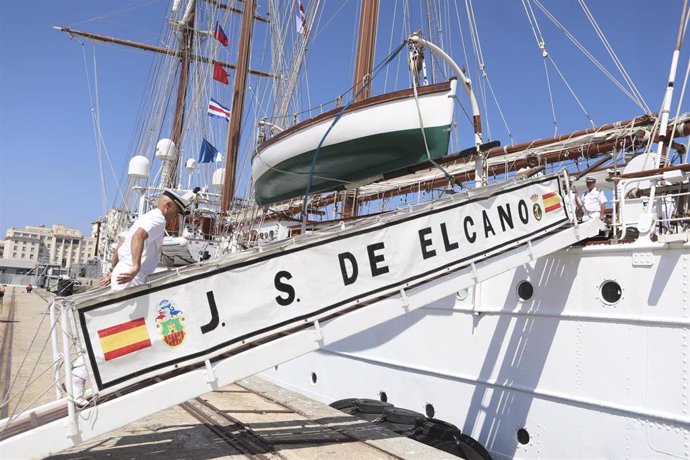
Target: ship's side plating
<point>592,362</point>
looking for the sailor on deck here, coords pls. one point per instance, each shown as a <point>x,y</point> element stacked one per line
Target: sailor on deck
<point>531,169</point>
<point>137,256</point>
<point>593,201</point>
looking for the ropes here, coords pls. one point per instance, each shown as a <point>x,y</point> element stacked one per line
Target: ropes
<point>680,101</point>
<point>541,44</point>
<point>589,56</point>
<point>335,120</point>
<point>614,57</point>
<point>101,149</point>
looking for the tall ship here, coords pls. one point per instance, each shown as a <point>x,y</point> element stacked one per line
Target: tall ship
<point>384,249</point>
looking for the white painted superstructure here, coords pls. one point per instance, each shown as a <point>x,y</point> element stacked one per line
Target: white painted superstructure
<point>581,376</point>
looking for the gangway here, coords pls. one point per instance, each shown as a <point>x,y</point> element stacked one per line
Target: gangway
<point>197,329</point>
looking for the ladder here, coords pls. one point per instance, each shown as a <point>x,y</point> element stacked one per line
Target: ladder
<point>198,329</point>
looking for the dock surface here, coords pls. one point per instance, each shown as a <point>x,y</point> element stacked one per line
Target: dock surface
<point>249,419</point>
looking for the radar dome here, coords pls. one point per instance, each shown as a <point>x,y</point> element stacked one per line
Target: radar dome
<point>139,167</point>
<point>218,177</point>
<point>190,164</point>
<point>166,149</point>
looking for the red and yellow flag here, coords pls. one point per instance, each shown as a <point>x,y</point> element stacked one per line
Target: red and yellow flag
<point>552,201</point>
<point>124,338</point>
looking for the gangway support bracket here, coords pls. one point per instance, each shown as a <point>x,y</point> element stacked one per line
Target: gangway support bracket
<point>318,334</point>
<point>210,372</point>
<point>530,250</point>
<point>405,300</point>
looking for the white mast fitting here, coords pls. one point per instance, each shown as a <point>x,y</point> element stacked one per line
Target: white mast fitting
<point>480,165</point>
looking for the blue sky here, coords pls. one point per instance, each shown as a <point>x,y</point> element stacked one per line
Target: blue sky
<point>49,172</point>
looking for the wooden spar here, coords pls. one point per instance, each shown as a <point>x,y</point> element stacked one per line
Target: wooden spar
<point>498,151</point>
<point>365,47</point>
<point>187,41</point>
<point>647,172</point>
<point>234,10</point>
<point>593,167</point>
<point>237,105</point>
<point>364,62</point>
<point>589,150</point>
<point>155,49</point>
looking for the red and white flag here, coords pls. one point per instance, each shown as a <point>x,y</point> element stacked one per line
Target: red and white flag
<point>301,20</point>
<point>219,73</point>
<point>217,110</point>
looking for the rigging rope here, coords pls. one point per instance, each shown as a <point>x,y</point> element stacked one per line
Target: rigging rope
<point>553,106</point>
<point>613,56</point>
<point>680,100</point>
<point>572,92</point>
<point>541,44</point>
<point>388,59</point>
<point>426,145</point>
<point>101,148</point>
<point>581,47</point>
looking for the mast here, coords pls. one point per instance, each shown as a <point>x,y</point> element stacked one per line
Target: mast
<point>365,47</point>
<point>187,41</point>
<point>238,105</point>
<point>364,62</point>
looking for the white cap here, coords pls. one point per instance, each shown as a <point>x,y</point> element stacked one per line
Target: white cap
<point>180,198</point>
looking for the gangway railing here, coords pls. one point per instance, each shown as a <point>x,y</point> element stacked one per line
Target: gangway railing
<point>198,329</point>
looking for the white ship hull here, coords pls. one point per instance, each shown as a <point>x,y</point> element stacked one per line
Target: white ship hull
<point>581,376</point>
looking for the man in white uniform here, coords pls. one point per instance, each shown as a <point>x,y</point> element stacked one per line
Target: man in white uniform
<point>593,201</point>
<point>531,169</point>
<point>137,256</point>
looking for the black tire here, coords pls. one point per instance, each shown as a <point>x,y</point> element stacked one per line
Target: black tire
<point>403,416</point>
<point>343,403</point>
<point>402,429</point>
<point>471,449</point>
<point>440,429</point>
<point>371,406</point>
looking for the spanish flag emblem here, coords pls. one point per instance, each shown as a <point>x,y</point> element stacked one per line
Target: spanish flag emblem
<point>124,338</point>
<point>552,201</point>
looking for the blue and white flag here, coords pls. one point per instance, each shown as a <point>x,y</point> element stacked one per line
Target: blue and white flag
<point>208,152</point>
<point>217,110</point>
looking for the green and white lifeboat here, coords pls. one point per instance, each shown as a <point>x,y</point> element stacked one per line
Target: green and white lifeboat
<point>373,137</point>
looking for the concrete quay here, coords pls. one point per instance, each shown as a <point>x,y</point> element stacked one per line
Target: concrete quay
<point>249,419</point>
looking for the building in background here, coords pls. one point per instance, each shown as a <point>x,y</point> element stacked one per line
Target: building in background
<point>43,256</point>
<point>58,246</point>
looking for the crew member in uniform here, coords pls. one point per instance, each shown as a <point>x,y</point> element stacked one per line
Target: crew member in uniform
<point>531,169</point>
<point>137,256</point>
<point>593,201</point>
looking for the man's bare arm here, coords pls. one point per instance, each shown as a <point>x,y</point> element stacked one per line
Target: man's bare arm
<point>105,281</point>
<point>137,249</point>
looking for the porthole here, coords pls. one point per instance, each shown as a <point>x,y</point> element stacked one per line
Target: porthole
<point>611,292</point>
<point>383,396</point>
<point>314,378</point>
<point>430,411</point>
<point>525,290</point>
<point>523,436</point>
<point>462,294</point>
